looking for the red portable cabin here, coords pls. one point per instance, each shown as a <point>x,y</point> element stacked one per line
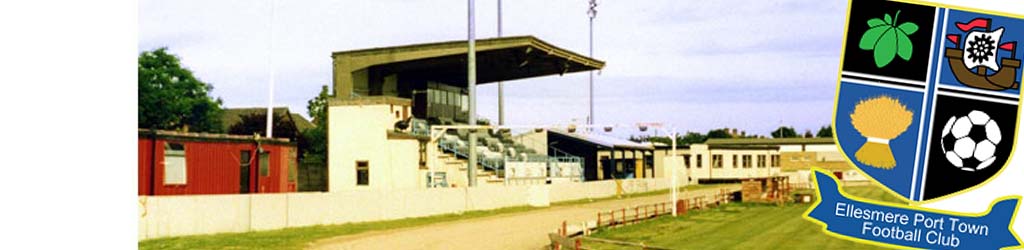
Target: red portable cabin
<point>176,163</point>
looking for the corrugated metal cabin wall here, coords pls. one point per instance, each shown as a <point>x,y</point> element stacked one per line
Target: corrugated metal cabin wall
<point>277,179</point>
<point>213,167</point>
<point>145,164</point>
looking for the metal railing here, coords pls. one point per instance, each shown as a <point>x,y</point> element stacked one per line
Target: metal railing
<point>552,163</point>
<point>490,163</point>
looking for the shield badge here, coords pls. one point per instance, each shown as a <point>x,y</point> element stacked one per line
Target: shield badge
<point>928,97</point>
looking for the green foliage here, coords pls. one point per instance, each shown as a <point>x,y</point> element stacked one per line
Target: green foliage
<point>317,108</point>
<point>888,40</point>
<point>314,154</point>
<point>719,133</point>
<point>256,123</point>
<point>785,132</point>
<point>171,98</point>
<point>824,132</point>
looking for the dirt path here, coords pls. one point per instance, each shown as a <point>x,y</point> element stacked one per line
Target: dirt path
<point>524,230</point>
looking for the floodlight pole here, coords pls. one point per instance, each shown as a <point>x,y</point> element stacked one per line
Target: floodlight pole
<point>675,170</point>
<point>592,13</point>
<point>501,85</point>
<point>270,63</point>
<point>471,85</point>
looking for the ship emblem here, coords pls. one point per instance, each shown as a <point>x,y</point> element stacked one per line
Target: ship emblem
<point>972,58</point>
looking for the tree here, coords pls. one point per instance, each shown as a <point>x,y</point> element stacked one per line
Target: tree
<point>256,123</point>
<point>313,174</point>
<point>808,134</point>
<point>719,133</point>
<point>692,137</point>
<point>785,132</point>
<point>171,98</point>
<point>316,137</point>
<point>824,132</point>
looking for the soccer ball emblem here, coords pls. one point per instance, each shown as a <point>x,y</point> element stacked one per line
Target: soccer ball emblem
<point>969,142</point>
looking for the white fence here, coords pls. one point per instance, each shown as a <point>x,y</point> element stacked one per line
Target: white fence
<point>164,216</point>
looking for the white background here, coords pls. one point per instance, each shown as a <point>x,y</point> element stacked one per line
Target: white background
<point>68,97</point>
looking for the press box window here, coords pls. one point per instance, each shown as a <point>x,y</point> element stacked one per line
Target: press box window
<point>175,170</point>
<point>362,173</point>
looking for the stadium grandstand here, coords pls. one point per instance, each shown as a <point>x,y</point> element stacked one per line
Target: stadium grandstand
<point>387,100</point>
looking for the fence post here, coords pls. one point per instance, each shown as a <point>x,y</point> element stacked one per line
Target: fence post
<point>579,243</point>
<point>598,219</point>
<point>564,231</point>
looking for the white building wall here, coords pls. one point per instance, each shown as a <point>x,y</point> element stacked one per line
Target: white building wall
<point>359,133</point>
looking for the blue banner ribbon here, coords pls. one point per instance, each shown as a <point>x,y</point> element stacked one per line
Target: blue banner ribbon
<point>899,225</point>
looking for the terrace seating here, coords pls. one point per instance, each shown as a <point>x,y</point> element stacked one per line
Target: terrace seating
<point>492,147</point>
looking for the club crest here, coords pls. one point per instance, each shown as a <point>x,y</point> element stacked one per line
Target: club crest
<point>928,97</point>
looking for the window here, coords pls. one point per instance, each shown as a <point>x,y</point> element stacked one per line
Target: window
<point>775,161</point>
<point>716,161</point>
<point>245,163</point>
<point>699,160</point>
<point>762,161</point>
<point>735,161</point>
<point>465,103</point>
<point>264,163</point>
<point>175,170</point>
<point>362,173</point>
<point>746,161</point>
<point>686,160</point>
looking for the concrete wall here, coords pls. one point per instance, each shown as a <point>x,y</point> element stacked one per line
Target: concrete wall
<point>165,216</point>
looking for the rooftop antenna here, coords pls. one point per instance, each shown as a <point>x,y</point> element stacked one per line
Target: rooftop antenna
<point>270,62</point>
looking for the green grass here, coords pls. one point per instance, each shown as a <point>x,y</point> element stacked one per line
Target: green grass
<point>738,226</point>
<point>299,237</point>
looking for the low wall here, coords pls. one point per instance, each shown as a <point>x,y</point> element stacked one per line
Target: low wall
<point>165,216</point>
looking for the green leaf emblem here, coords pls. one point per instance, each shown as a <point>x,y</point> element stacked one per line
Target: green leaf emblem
<point>888,40</point>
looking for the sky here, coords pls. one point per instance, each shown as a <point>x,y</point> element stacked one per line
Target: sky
<point>692,65</point>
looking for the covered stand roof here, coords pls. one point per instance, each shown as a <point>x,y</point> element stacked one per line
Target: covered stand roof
<point>605,141</point>
<point>498,59</point>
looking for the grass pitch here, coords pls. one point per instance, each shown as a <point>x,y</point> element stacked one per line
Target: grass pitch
<point>738,226</point>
